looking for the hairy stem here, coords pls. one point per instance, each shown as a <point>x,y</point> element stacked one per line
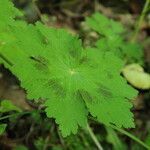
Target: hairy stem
<point>94,138</point>
<point>139,22</point>
<point>131,136</point>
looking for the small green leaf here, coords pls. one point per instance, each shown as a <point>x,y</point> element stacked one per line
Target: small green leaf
<point>2,128</point>
<point>6,106</point>
<point>103,25</point>
<point>111,39</point>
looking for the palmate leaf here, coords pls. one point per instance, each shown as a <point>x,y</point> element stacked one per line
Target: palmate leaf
<point>104,26</point>
<point>52,64</point>
<point>111,38</point>
<point>42,63</point>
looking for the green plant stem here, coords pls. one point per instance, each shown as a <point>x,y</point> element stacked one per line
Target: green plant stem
<point>8,116</point>
<point>139,22</point>
<point>94,137</point>
<point>84,140</point>
<point>16,114</point>
<point>131,136</point>
<point>127,134</point>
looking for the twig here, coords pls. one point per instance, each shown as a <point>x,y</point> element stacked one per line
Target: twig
<point>139,22</point>
<point>13,115</point>
<point>131,136</point>
<point>94,138</point>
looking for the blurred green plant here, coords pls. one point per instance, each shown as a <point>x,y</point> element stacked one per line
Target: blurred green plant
<point>20,147</point>
<point>111,38</point>
<point>114,139</point>
<point>7,105</point>
<point>2,128</point>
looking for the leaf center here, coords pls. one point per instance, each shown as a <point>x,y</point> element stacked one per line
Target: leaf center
<point>72,71</point>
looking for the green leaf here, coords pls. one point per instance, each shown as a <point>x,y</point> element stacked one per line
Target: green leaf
<point>112,39</point>
<point>103,25</point>
<point>2,128</point>
<point>52,64</point>
<point>47,63</point>
<point>6,106</point>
